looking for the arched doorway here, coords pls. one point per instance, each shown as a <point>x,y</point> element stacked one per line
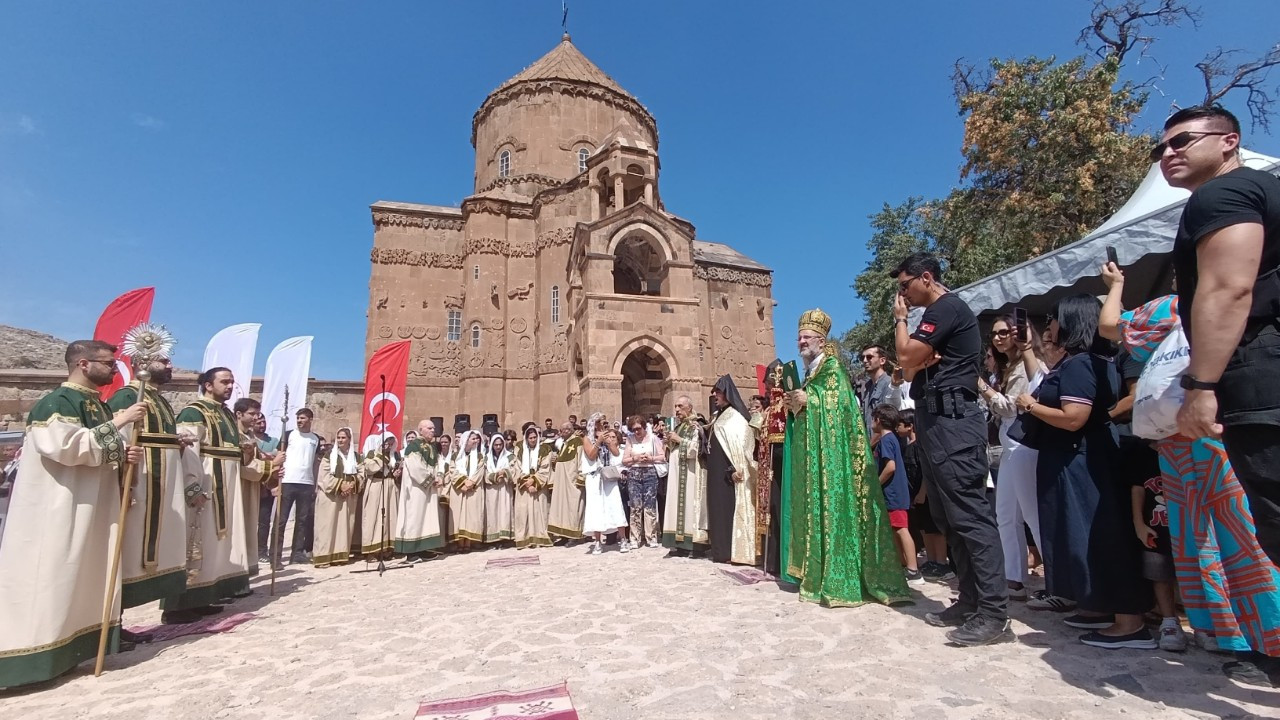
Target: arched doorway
<point>646,381</point>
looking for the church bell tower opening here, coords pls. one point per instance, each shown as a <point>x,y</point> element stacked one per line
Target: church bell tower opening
<point>646,382</point>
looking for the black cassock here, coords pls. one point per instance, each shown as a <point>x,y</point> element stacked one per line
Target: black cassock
<point>721,500</point>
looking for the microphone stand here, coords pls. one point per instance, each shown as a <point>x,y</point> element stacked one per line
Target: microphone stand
<point>382,566</point>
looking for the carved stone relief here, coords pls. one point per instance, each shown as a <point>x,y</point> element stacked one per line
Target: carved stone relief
<point>742,277</point>
<point>383,217</point>
<point>520,293</point>
<point>401,256</point>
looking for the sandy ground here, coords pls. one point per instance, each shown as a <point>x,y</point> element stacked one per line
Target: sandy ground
<point>636,636</point>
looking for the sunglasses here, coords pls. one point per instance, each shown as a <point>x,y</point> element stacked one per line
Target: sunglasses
<point>1180,141</point>
<point>904,284</point>
<point>868,358</point>
<point>1001,333</point>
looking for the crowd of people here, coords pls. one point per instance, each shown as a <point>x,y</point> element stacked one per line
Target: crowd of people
<point>1049,454</point>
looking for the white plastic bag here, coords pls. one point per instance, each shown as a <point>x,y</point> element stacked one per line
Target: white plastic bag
<point>1159,395</point>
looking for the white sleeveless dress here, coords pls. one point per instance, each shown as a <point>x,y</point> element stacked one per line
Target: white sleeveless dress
<point>603,512</point>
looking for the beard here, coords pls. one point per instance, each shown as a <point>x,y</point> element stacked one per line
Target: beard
<point>161,376</point>
<point>100,376</point>
<point>809,353</point>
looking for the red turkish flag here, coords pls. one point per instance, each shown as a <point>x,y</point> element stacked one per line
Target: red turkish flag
<point>124,313</point>
<point>761,388</point>
<point>385,381</point>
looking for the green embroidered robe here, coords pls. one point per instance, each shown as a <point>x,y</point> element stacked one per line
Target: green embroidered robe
<point>837,540</point>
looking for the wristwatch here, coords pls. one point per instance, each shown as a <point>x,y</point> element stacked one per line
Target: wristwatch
<point>1189,382</point>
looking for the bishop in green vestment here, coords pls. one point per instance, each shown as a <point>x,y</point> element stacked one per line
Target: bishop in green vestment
<point>838,544</point>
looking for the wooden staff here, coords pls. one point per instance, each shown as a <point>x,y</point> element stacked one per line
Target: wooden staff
<point>130,471</point>
<point>277,528</point>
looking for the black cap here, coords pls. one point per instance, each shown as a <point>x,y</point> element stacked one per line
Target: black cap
<point>461,423</point>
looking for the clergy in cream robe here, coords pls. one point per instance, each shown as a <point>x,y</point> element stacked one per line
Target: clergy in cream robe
<point>381,470</point>
<point>217,553</point>
<point>466,493</point>
<point>419,525</point>
<point>533,495</point>
<point>57,543</point>
<point>153,565</point>
<point>685,516</point>
<point>566,483</point>
<point>499,491</point>
<point>731,479</point>
<point>338,492</point>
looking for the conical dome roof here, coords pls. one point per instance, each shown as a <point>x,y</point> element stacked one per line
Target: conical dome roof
<point>565,62</point>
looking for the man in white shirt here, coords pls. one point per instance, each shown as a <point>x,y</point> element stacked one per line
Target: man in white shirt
<point>298,488</point>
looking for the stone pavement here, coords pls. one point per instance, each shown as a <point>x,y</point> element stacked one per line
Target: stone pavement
<point>637,637</point>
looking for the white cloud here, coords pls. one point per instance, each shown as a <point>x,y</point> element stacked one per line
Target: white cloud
<point>147,122</point>
<point>18,124</point>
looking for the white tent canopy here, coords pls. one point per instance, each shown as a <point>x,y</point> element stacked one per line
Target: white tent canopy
<point>1142,232</point>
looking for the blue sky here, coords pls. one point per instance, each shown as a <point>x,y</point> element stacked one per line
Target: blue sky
<point>227,153</point>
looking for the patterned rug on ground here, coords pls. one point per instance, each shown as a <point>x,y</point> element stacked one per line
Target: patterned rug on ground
<point>548,703</point>
<point>213,624</point>
<point>747,575</point>
<point>511,562</point>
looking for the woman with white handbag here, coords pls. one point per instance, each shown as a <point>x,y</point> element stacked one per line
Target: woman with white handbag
<point>1230,589</point>
<point>601,467</point>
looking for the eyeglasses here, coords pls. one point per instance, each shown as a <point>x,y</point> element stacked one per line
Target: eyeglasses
<point>868,358</point>
<point>1001,333</point>
<point>1180,141</point>
<point>904,284</point>
<point>110,362</point>
<point>637,428</point>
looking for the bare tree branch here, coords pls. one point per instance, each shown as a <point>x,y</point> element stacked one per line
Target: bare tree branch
<point>962,78</point>
<point>1220,78</point>
<point>1115,27</point>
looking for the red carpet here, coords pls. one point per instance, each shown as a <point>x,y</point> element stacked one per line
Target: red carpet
<point>213,624</point>
<point>548,703</point>
<point>512,562</point>
<point>747,575</point>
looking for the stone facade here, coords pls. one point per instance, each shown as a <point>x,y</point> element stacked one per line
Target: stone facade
<point>562,284</point>
<point>336,403</point>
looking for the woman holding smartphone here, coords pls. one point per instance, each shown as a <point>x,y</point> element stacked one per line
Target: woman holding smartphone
<point>601,460</point>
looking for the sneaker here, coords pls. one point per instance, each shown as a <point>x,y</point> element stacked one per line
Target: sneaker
<point>980,630</point>
<point>1246,673</point>
<point>1140,640</point>
<point>1018,593</point>
<point>595,548</point>
<point>1173,639</point>
<point>653,544</point>
<point>1091,622</point>
<point>937,572</point>
<point>1042,600</point>
<point>624,546</point>
<point>914,577</point>
<point>954,616</point>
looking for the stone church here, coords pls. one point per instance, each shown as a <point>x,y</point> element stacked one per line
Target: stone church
<point>562,284</point>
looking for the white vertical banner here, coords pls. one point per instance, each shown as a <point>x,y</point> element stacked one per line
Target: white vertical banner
<point>234,347</point>
<point>288,365</point>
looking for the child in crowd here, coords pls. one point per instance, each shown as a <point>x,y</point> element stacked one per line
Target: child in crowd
<point>1151,523</point>
<point>935,568</point>
<point>893,480</point>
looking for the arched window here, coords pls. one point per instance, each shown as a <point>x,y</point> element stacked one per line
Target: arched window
<point>555,304</point>
<point>475,273</point>
<point>455,325</point>
<point>475,335</point>
<point>583,154</point>
<point>504,163</point>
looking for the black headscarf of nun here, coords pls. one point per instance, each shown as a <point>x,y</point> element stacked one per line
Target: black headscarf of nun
<point>725,385</point>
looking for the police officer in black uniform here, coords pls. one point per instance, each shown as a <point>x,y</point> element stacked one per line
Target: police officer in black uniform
<point>945,350</point>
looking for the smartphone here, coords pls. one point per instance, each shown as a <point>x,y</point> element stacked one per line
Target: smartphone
<point>1020,325</point>
<point>1111,256</point>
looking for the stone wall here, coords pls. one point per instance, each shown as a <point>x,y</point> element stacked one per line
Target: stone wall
<point>336,402</point>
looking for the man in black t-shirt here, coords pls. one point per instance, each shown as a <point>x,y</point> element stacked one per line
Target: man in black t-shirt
<point>944,352</point>
<point>1227,256</point>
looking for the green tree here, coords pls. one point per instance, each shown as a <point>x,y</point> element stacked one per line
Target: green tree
<point>898,231</point>
<point>1050,153</point>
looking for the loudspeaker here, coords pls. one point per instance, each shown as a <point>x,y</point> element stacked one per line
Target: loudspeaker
<point>489,425</point>
<point>461,423</point>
